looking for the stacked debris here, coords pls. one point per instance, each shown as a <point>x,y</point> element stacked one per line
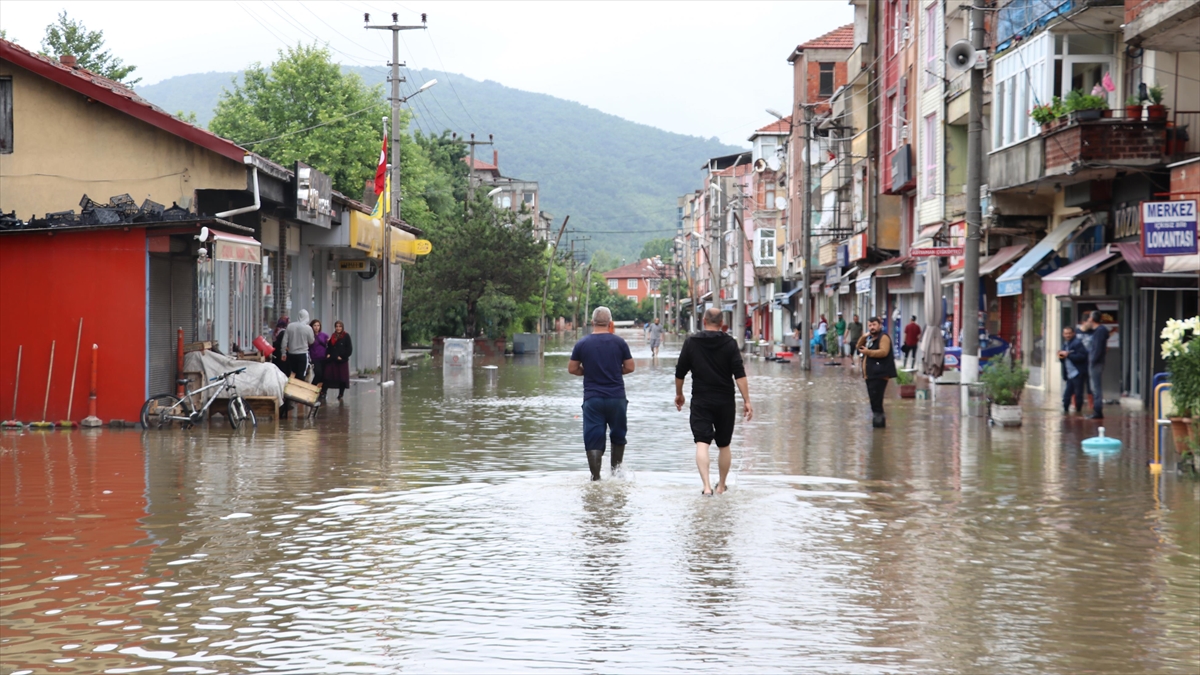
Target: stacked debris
<point>119,209</point>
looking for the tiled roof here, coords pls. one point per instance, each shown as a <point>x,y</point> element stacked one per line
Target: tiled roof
<point>839,38</point>
<point>481,165</point>
<point>641,269</point>
<point>782,126</point>
<point>117,96</point>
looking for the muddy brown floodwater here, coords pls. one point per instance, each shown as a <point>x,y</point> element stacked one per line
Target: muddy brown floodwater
<point>449,527</point>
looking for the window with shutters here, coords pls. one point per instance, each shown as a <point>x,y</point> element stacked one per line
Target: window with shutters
<point>631,284</point>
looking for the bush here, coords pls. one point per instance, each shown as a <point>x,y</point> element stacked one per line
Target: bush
<point>903,377</point>
<point>1004,382</point>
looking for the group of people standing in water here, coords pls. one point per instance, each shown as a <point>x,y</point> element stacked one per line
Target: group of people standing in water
<point>301,345</point>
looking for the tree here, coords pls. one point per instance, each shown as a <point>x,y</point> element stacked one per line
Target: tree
<point>664,248</point>
<point>67,36</point>
<point>304,108</point>
<point>480,270</point>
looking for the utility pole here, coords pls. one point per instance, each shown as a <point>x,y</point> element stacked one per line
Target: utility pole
<point>739,286</point>
<point>805,237</point>
<point>970,311</point>
<point>549,267</point>
<point>385,369</point>
<point>587,294</point>
<point>471,176</point>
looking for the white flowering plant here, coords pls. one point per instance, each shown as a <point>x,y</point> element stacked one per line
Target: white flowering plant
<point>1181,351</point>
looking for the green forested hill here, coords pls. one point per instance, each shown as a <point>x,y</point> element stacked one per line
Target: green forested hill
<point>607,173</point>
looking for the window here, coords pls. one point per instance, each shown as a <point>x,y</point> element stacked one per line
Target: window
<point>612,284</point>
<point>6,116</point>
<point>931,156</point>
<point>506,201</point>
<point>529,198</point>
<point>931,46</point>
<point>893,115</point>
<point>825,83</point>
<point>631,284</point>
<point>764,248</point>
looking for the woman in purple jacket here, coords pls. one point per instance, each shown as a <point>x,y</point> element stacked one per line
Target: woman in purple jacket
<point>317,353</point>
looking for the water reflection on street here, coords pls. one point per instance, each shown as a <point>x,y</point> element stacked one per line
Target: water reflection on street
<point>461,535</point>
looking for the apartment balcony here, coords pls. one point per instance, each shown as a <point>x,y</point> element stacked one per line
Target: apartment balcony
<point>1076,151</point>
<point>1106,142</point>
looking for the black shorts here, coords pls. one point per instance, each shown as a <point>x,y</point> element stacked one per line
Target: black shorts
<point>713,422</point>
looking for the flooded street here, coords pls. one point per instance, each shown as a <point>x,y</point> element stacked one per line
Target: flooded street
<point>461,535</point>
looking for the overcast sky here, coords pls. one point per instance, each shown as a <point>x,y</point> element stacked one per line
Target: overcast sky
<point>698,68</point>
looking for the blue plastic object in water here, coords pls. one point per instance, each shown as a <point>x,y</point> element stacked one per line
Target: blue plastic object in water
<point>1101,443</point>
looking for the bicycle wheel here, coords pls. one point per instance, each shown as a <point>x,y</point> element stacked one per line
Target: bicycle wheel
<point>158,410</point>
<point>237,411</point>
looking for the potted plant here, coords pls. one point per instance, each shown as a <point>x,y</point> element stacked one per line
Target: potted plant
<point>908,384</point>
<point>1046,114</point>
<point>1133,108</point>
<point>1156,111</point>
<point>1004,382</point>
<point>1084,107</point>
<point>1181,351</point>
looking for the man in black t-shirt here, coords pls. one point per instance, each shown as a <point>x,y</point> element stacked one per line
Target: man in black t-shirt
<point>713,359</point>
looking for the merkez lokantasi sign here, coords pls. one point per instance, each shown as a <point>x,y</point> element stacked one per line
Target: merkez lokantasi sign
<point>1169,228</point>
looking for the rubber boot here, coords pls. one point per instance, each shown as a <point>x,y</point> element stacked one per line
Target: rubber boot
<point>595,462</point>
<point>879,421</point>
<point>618,454</point>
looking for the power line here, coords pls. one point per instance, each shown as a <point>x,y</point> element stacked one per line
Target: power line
<point>300,131</point>
<point>448,80</point>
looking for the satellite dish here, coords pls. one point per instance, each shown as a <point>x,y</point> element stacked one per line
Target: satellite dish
<point>780,203</point>
<point>774,161</point>
<point>725,273</point>
<point>203,236</point>
<point>760,165</point>
<point>961,56</point>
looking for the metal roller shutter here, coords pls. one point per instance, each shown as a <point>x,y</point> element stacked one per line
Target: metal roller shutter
<point>162,338</point>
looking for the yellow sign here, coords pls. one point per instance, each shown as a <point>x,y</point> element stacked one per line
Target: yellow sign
<point>354,265</point>
<point>366,234</point>
<point>422,247</point>
<point>402,245</point>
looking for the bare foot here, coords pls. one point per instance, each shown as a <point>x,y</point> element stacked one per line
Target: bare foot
<point>722,488</point>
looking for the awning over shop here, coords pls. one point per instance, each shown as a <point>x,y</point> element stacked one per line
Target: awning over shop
<point>790,293</point>
<point>892,268</point>
<point>955,277</point>
<point>1059,281</point>
<point>706,297</point>
<point>236,248</point>
<point>816,286</point>
<point>1009,283</point>
<point>1002,257</point>
<point>862,282</point>
<point>1158,266</point>
<point>929,232</point>
<point>729,307</point>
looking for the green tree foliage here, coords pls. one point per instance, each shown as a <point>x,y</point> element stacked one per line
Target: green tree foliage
<point>189,116</point>
<point>67,36</point>
<point>480,270</point>
<point>664,248</point>
<point>303,107</point>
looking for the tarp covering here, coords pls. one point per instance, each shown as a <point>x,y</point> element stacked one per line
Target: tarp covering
<point>260,379</point>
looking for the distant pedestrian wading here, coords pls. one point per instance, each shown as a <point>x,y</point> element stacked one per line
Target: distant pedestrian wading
<point>603,360</point>
<point>878,365</point>
<point>713,359</point>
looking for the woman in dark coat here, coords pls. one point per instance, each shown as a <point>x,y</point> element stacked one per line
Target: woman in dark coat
<point>279,357</point>
<point>337,362</point>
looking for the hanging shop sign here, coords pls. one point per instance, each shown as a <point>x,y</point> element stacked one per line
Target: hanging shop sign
<point>236,248</point>
<point>314,196</point>
<point>1169,228</point>
<point>366,234</point>
<point>360,265</point>
<point>936,251</point>
<point>856,247</point>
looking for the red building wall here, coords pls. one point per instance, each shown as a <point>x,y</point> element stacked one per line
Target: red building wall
<point>49,282</point>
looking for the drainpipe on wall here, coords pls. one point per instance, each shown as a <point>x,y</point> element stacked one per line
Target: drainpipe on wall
<point>257,201</point>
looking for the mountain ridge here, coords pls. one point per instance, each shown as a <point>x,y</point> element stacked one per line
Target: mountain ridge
<point>608,173</point>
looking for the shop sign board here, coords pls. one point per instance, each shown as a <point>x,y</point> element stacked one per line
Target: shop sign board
<point>366,234</point>
<point>843,255</point>
<point>314,196</point>
<point>856,247</point>
<point>1169,228</point>
<point>235,248</point>
<point>936,251</point>
<point>360,265</point>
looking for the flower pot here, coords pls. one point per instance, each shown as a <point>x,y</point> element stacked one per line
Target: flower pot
<point>1133,113</point>
<point>1156,113</point>
<point>1006,415</point>
<point>1106,113</point>
<point>908,391</point>
<point>1086,115</point>
<point>1181,430</point>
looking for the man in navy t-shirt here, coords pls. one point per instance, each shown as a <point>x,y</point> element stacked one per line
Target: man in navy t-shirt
<point>602,360</point>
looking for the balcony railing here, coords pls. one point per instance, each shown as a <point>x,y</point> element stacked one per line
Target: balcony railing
<point>1072,145</point>
<point>1183,134</point>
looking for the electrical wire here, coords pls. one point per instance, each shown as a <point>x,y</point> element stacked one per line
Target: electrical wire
<point>315,126</point>
<point>449,81</point>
